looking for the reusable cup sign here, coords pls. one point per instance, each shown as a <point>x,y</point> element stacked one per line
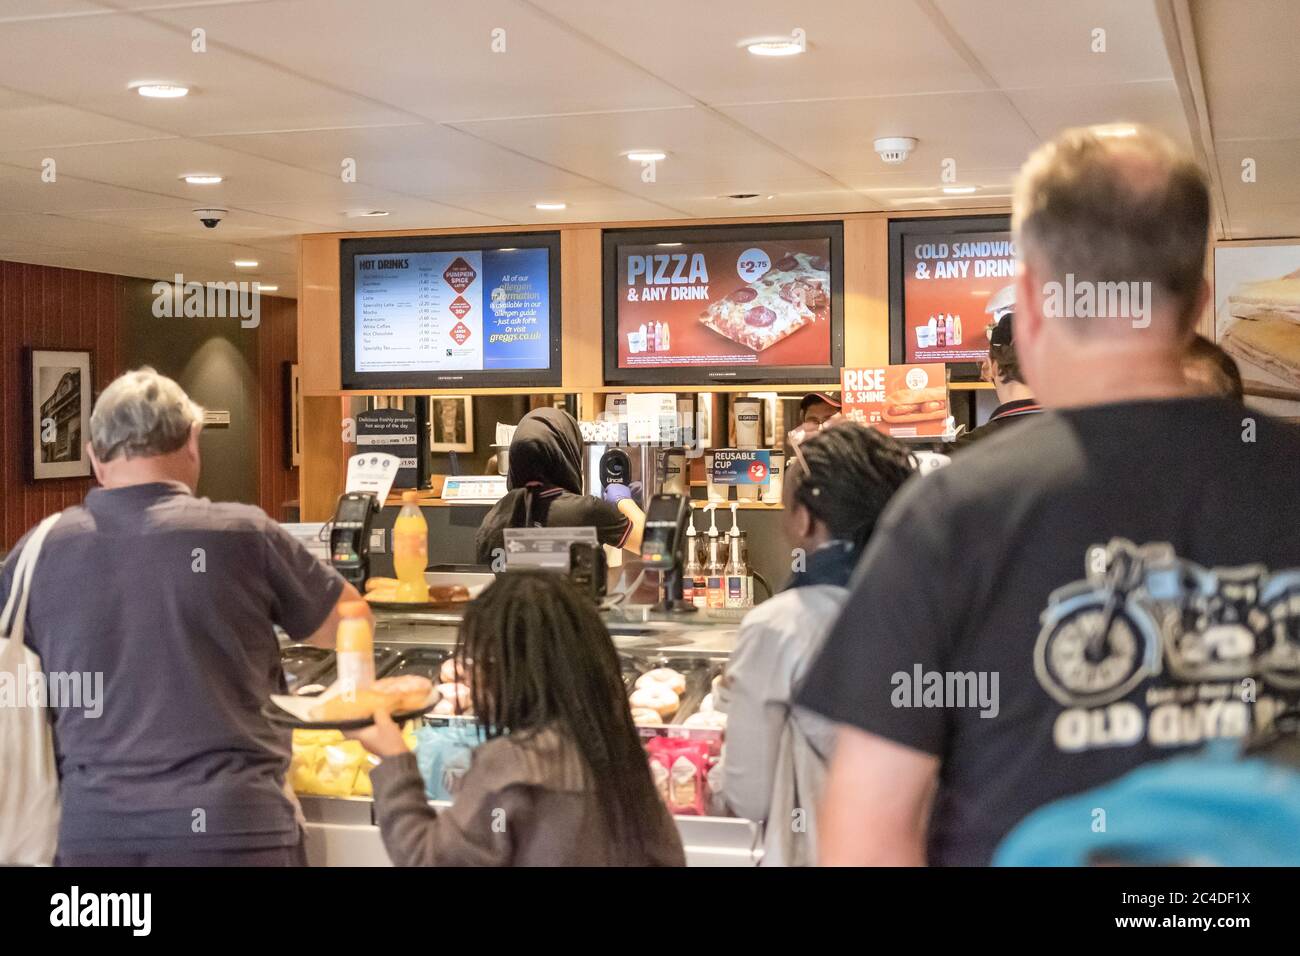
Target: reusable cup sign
<point>741,466</point>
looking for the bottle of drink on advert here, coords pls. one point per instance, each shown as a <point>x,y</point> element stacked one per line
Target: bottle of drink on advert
<point>956,327</point>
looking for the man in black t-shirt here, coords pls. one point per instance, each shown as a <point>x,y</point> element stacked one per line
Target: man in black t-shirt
<point>1016,402</point>
<point>1112,582</point>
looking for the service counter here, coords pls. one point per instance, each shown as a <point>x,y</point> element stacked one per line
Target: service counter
<point>341,831</point>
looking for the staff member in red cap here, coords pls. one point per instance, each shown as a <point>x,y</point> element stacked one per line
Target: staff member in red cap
<point>1015,400</point>
<point>816,407</point>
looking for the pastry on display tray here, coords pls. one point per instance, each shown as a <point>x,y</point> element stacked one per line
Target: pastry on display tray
<point>795,292</point>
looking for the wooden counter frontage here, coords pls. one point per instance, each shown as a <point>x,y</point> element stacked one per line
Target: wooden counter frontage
<point>324,454</point>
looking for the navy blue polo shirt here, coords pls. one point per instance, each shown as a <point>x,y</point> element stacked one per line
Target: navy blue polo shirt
<point>171,598</point>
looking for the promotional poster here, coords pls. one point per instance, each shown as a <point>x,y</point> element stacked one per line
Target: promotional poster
<point>452,311</point>
<point>1257,320</point>
<point>948,283</point>
<point>904,401</point>
<point>706,304</point>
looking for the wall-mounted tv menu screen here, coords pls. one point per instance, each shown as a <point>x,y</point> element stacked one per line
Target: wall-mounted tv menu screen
<point>759,303</point>
<point>450,311</point>
<point>949,278</point>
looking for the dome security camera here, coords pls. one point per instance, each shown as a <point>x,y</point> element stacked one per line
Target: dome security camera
<point>210,217</point>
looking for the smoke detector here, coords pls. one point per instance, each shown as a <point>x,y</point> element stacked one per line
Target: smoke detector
<point>894,149</point>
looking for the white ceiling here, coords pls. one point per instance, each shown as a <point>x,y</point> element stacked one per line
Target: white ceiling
<point>445,132</point>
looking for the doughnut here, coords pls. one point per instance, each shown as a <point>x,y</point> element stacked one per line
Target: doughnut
<point>452,672</point>
<point>457,693</point>
<point>657,697</point>
<point>644,716</point>
<point>673,680</point>
<point>710,719</point>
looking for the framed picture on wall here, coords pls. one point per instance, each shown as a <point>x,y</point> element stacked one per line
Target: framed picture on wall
<point>292,416</point>
<point>1257,320</point>
<point>451,423</point>
<point>59,398</point>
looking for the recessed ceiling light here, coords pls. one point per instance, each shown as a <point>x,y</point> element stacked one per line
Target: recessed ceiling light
<point>646,155</point>
<point>160,91</point>
<point>267,288</point>
<point>245,263</point>
<point>509,249</point>
<point>667,245</point>
<point>202,179</point>
<point>550,206</point>
<point>773,46</point>
<point>1115,129</point>
<point>958,190</point>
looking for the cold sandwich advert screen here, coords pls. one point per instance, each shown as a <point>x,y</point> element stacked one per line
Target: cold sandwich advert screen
<point>949,282</point>
<point>703,304</point>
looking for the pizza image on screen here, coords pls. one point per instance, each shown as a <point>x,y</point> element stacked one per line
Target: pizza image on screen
<point>795,292</point>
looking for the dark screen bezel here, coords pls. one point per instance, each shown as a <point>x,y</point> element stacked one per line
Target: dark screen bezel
<point>448,381</point>
<point>899,231</point>
<point>705,376</point>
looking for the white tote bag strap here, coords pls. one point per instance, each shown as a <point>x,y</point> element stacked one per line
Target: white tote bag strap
<point>15,612</point>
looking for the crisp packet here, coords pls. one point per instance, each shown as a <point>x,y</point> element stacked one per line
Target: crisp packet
<point>443,756</point>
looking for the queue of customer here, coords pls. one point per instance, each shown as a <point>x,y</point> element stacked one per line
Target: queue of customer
<point>954,651</point>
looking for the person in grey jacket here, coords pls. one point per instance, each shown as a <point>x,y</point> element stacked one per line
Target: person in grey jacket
<point>562,779</point>
<point>835,488</point>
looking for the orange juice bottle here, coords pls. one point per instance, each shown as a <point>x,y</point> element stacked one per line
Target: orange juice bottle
<point>411,551</point>
<point>354,647</point>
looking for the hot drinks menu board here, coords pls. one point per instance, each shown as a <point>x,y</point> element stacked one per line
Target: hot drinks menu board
<point>949,280</point>
<point>467,310</point>
<point>904,401</point>
<point>757,303</point>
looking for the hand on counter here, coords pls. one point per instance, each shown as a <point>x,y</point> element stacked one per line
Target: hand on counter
<point>383,738</point>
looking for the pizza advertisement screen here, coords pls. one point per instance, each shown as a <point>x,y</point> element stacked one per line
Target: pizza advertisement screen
<point>756,304</point>
<point>953,282</point>
<point>429,313</point>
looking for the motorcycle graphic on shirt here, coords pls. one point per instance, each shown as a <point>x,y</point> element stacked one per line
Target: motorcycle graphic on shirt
<point>1142,609</point>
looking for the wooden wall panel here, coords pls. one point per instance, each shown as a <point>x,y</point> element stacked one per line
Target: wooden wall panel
<point>45,307</point>
<point>318,314</point>
<point>277,343</point>
<point>580,309</point>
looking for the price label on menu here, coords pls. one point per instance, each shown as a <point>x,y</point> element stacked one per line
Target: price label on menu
<point>736,466</point>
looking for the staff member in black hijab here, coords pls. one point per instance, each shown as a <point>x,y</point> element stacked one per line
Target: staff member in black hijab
<point>545,481</point>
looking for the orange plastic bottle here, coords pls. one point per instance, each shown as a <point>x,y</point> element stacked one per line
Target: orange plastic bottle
<point>354,647</point>
<point>411,550</point>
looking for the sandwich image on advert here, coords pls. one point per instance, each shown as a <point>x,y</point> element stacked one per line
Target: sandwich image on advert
<point>1260,328</point>
<point>795,292</point>
<point>908,405</point>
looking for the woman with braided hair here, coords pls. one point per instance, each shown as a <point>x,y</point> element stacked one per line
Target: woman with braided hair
<point>562,778</point>
<point>835,488</point>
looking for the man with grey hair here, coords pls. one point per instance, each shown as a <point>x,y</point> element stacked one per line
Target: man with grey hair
<point>172,599</point>
<point>1122,565</point>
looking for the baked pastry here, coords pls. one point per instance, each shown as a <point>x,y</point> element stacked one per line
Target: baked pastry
<point>673,680</point>
<point>707,719</point>
<point>916,405</point>
<point>391,694</point>
<point>645,717</point>
<point>1268,345</point>
<point>657,697</point>
<point>452,672</point>
<point>457,693</point>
